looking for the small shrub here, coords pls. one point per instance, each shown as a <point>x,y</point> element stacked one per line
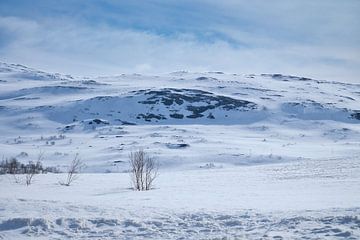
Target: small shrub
<point>73,170</point>
<point>13,167</point>
<point>34,168</point>
<point>144,170</point>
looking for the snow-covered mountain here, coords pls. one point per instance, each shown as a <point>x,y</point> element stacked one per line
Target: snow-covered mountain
<point>35,102</point>
<point>263,156</point>
<point>176,98</point>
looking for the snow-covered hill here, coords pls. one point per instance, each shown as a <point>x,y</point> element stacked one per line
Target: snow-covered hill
<point>177,98</point>
<point>285,143</point>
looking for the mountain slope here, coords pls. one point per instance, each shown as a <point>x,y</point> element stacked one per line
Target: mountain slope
<point>183,98</point>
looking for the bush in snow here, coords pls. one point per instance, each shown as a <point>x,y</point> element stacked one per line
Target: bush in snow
<point>10,166</point>
<point>31,170</point>
<point>13,166</point>
<point>34,168</point>
<point>73,170</point>
<point>144,170</point>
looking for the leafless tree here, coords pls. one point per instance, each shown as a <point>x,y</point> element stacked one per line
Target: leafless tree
<point>73,170</point>
<point>13,166</point>
<point>144,170</point>
<point>30,173</point>
<point>33,168</point>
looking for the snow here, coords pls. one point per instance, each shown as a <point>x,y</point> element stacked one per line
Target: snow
<point>285,165</point>
<point>244,201</point>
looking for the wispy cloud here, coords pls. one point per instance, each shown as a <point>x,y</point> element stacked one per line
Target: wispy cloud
<point>310,38</point>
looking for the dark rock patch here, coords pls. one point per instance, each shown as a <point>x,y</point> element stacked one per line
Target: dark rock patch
<point>177,145</point>
<point>356,115</point>
<point>150,116</point>
<point>211,116</point>
<point>177,116</point>
<point>98,121</point>
<point>198,115</point>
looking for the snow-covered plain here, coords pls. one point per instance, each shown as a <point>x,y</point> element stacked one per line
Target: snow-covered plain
<point>241,156</point>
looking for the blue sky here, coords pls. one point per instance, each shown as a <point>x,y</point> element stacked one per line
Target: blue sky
<point>314,38</point>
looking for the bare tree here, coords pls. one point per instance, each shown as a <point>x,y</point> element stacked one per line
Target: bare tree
<point>33,168</point>
<point>13,166</point>
<point>73,170</point>
<point>30,173</point>
<point>144,170</point>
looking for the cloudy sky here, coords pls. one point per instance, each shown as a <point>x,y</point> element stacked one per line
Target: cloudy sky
<point>313,38</point>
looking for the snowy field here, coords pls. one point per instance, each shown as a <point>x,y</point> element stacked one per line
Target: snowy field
<point>241,156</point>
<point>306,199</point>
